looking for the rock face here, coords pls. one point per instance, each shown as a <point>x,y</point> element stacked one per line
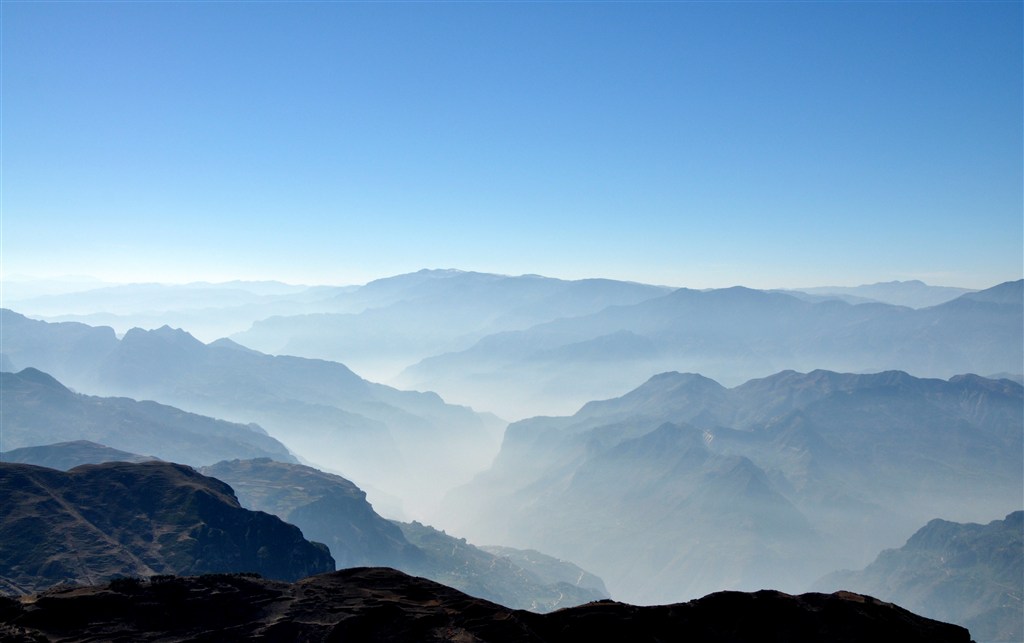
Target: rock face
<point>968,574</point>
<point>97,522</point>
<point>376,604</point>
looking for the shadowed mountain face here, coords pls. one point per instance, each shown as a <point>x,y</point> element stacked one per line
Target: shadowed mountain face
<point>968,574</point>
<point>96,522</point>
<point>683,487</point>
<point>731,335</point>
<point>39,410</point>
<point>385,605</point>
<point>411,445</point>
<point>328,509</point>
<point>332,510</point>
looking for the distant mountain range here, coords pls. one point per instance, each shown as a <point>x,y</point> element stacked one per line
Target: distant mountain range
<point>39,410</point>
<point>683,486</point>
<point>389,324</point>
<point>968,574</point>
<point>411,445</point>
<point>374,604</point>
<point>731,335</point>
<point>98,522</point>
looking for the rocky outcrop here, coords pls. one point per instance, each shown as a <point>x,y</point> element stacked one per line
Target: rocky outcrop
<point>379,604</point>
<point>97,522</point>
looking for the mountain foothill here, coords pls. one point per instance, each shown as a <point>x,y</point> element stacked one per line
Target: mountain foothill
<point>672,444</point>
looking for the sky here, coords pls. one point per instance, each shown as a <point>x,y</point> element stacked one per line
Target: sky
<point>698,144</point>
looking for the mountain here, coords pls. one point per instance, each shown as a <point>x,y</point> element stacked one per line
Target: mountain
<point>969,574</point>
<point>332,510</point>
<point>913,293</point>
<point>328,509</point>
<point>682,486</point>
<point>98,522</point>
<point>408,444</point>
<point>208,310</point>
<point>68,455</point>
<point>39,410</point>
<point>392,323</point>
<point>373,604</point>
<point>731,335</point>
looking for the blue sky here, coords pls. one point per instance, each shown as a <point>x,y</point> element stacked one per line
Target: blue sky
<point>697,144</point>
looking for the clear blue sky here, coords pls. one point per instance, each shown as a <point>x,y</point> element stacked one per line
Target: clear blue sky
<point>693,144</point>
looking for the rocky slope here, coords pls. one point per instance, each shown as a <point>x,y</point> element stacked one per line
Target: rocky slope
<point>374,604</point>
<point>96,522</point>
<point>970,574</point>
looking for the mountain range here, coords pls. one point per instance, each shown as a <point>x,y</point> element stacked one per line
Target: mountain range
<point>407,444</point>
<point>683,487</point>
<point>39,410</point>
<point>730,335</point>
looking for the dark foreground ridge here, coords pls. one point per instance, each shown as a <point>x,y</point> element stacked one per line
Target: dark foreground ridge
<point>382,604</point>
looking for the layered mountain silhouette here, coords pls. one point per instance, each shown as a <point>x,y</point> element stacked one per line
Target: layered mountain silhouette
<point>731,335</point>
<point>411,445</point>
<point>208,310</point>
<point>970,574</point>
<point>391,323</point>
<point>97,522</point>
<point>332,510</point>
<point>68,455</point>
<point>683,487</point>
<point>374,604</point>
<point>38,410</point>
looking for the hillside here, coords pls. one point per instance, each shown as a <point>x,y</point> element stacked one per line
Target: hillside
<point>970,574</point>
<point>98,522</point>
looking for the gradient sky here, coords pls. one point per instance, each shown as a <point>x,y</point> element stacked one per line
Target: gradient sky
<point>697,144</point>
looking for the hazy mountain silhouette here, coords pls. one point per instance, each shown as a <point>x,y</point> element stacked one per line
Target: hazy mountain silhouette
<point>392,323</point>
<point>39,410</point>
<point>913,293</point>
<point>968,574</point>
<point>730,334</point>
<point>332,510</point>
<point>409,444</point>
<point>207,310</point>
<point>100,521</point>
<point>682,486</point>
<point>375,604</point>
<point>68,455</point>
